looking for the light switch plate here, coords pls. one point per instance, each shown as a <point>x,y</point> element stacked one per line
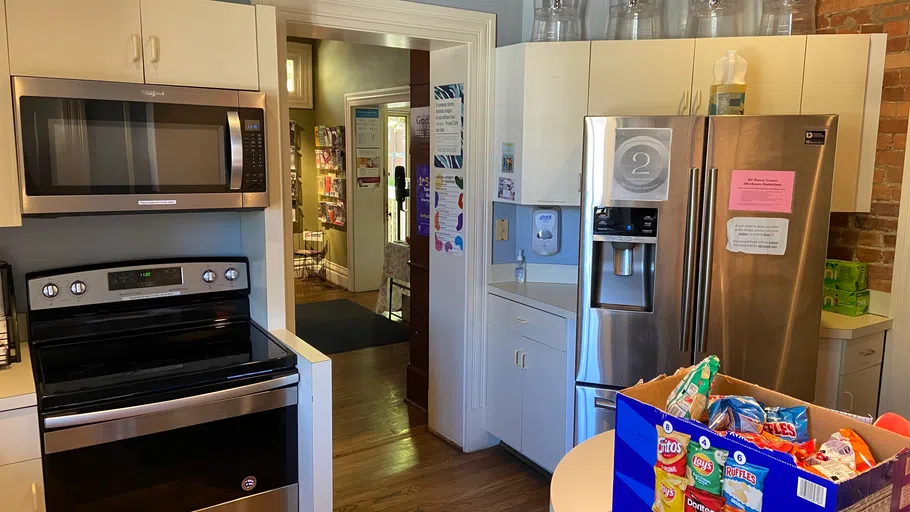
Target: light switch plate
<point>502,230</point>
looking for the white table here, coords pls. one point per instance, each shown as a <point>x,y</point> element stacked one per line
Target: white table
<point>583,480</point>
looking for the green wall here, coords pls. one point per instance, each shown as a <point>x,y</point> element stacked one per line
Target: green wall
<point>340,68</point>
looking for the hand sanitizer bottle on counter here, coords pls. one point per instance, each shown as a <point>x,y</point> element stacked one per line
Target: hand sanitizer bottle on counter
<point>520,266</point>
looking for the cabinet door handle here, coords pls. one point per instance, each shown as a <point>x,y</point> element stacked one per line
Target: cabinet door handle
<point>520,320</point>
<point>867,352</point>
<point>137,47</point>
<point>153,40</point>
<point>683,103</point>
<point>524,357</point>
<point>34,497</point>
<point>516,357</point>
<point>696,102</point>
<point>849,394</point>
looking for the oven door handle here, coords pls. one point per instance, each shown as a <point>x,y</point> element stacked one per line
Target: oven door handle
<point>72,420</point>
<point>236,136</point>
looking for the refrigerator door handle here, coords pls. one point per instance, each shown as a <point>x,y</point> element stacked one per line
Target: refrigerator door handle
<point>704,284</point>
<point>689,262</point>
<point>604,403</point>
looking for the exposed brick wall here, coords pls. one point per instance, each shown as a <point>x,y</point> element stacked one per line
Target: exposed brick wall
<point>871,237</point>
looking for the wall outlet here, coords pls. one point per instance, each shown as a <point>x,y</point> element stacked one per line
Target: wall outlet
<point>502,230</point>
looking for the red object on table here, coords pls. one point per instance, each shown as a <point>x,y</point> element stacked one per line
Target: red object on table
<point>894,423</point>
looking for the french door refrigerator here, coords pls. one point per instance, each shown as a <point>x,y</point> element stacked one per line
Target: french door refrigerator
<point>699,236</point>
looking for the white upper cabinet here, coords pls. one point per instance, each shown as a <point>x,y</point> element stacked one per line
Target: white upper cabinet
<point>852,89</point>
<point>541,101</point>
<point>774,78</point>
<point>10,213</point>
<point>85,39</point>
<point>640,78</point>
<point>200,43</point>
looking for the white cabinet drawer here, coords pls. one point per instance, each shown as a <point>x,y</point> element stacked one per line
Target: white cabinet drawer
<point>20,439</point>
<point>22,487</point>
<point>864,352</point>
<point>530,322</point>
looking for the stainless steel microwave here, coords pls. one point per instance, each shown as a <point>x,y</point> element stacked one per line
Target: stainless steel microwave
<point>98,147</point>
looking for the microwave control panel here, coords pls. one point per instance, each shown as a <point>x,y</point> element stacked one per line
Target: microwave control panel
<point>253,136</point>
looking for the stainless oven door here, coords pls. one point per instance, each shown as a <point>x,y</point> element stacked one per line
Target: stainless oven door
<point>230,450</point>
<point>92,147</point>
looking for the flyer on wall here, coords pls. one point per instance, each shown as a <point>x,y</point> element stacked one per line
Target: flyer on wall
<point>448,217</point>
<point>366,128</point>
<point>423,199</point>
<point>448,111</point>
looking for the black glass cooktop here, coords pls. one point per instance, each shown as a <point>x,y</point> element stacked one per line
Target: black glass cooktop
<point>135,368</point>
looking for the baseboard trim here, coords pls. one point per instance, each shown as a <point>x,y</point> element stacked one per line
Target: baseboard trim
<point>336,274</point>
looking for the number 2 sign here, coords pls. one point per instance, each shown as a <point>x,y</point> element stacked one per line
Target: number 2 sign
<point>641,164</point>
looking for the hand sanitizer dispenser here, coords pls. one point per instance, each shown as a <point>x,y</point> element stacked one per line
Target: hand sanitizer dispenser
<point>545,231</point>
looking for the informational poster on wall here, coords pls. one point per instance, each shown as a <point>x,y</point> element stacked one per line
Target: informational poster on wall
<point>762,191</point>
<point>369,167</point>
<point>641,164</point>
<point>448,215</point>
<point>423,199</point>
<point>448,112</point>
<point>420,125</point>
<point>508,157</point>
<point>758,235</point>
<point>366,128</point>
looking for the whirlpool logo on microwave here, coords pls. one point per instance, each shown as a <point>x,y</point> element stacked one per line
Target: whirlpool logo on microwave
<point>152,93</point>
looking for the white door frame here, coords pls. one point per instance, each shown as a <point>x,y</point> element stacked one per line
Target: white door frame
<point>414,26</point>
<point>352,100</point>
<point>895,385</point>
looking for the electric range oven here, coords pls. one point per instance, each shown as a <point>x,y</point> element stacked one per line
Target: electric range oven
<point>156,391</point>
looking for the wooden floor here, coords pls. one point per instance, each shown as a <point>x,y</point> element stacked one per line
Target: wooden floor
<point>385,458</point>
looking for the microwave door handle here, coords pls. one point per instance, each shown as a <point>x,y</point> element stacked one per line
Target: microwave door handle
<point>236,174</point>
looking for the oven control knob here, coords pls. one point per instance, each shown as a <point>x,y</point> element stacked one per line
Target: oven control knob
<point>78,287</point>
<point>49,290</point>
<point>208,276</point>
<point>231,274</point>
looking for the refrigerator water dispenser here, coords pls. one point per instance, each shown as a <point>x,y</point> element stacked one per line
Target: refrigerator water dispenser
<point>625,243</point>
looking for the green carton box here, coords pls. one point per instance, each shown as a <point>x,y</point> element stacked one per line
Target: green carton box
<point>846,302</point>
<point>846,275</point>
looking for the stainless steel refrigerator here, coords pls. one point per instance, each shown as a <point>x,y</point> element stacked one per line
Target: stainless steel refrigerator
<point>699,236</point>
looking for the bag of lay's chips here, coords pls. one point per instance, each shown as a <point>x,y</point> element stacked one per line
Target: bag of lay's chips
<point>671,452</point>
<point>705,467</point>
<point>788,423</point>
<point>669,492</point>
<point>690,397</point>
<point>744,485</point>
<point>701,501</point>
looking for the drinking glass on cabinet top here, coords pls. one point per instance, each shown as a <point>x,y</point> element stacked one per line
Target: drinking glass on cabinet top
<point>713,18</point>
<point>557,20</point>
<point>634,19</point>
<point>787,17</point>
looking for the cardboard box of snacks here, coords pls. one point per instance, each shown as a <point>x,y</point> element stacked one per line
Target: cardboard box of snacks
<point>771,481</point>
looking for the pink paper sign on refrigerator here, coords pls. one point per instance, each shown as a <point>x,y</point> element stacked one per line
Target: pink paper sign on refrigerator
<point>762,191</point>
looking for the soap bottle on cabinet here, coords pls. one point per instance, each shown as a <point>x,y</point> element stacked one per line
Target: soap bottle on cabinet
<point>520,266</point>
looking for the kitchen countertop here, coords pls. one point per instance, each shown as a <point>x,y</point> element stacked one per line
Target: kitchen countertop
<point>845,327</point>
<point>583,480</point>
<point>557,298</point>
<point>17,384</point>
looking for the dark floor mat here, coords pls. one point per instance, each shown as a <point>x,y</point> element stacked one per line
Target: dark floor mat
<point>341,325</point>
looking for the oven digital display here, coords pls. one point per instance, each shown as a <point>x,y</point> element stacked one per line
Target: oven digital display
<point>144,278</point>
<point>251,125</point>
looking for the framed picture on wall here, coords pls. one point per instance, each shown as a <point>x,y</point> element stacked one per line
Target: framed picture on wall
<point>300,75</point>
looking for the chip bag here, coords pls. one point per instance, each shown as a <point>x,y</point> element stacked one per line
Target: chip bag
<point>698,500</point>
<point>744,485</point>
<point>669,492</point>
<point>705,467</point>
<point>690,397</point>
<point>671,452</point>
<point>741,414</point>
<point>788,423</point>
<point>846,448</point>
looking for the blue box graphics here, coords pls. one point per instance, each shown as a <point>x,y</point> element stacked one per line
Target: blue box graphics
<point>885,487</point>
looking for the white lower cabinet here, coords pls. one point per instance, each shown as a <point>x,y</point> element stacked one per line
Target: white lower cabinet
<point>849,373</point>
<point>22,487</point>
<point>527,387</point>
<point>859,392</point>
